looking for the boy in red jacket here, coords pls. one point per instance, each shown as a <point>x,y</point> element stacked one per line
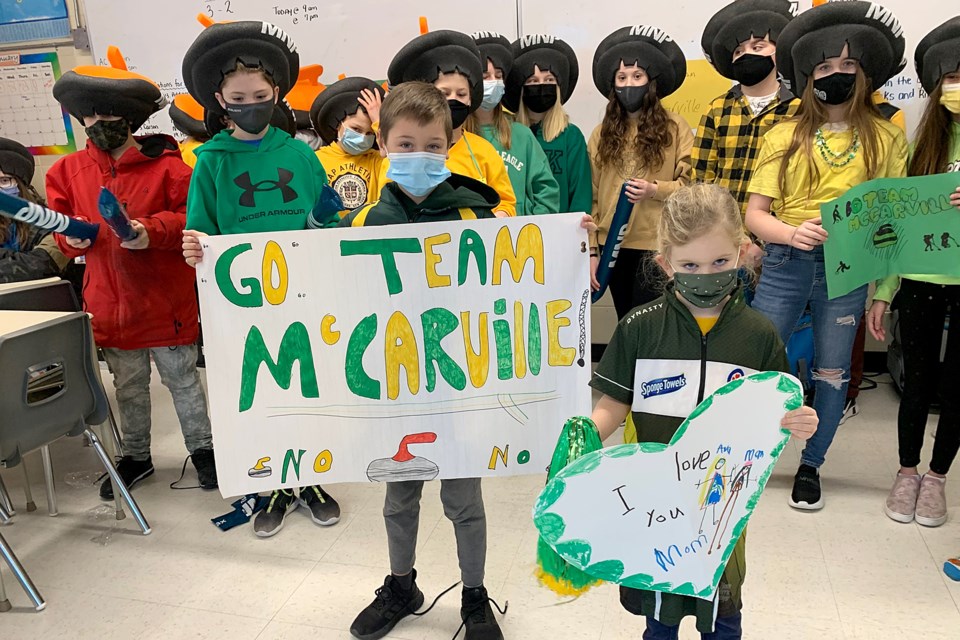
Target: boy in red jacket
<point>140,293</point>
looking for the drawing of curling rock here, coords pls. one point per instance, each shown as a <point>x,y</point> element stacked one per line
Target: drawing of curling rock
<point>404,465</point>
<point>260,470</point>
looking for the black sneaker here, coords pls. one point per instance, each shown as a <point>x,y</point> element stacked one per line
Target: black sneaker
<point>206,467</point>
<point>806,489</point>
<point>391,605</point>
<point>477,615</point>
<point>324,510</point>
<point>269,521</point>
<point>131,472</point>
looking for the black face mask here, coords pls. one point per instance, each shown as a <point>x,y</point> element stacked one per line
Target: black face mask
<point>750,69</point>
<point>835,88</point>
<point>631,98</point>
<point>539,98</point>
<point>108,134</point>
<point>253,117</point>
<point>458,112</point>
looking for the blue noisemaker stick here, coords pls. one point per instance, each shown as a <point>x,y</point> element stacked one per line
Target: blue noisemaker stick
<point>38,216</point>
<point>115,215</point>
<point>618,229</point>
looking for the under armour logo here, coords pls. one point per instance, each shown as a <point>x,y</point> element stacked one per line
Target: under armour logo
<point>249,199</point>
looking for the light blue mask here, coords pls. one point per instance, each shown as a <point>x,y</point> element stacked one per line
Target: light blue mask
<point>356,143</point>
<point>418,173</point>
<point>492,94</point>
<point>11,191</point>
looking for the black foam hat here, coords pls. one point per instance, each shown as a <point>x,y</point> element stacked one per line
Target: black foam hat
<point>938,53</point>
<point>15,160</point>
<point>283,118</point>
<point>187,116</point>
<point>872,33</point>
<point>336,102</point>
<point>496,48</point>
<point>739,21</point>
<point>548,53</point>
<point>645,46</point>
<point>112,90</point>
<point>427,56</point>
<point>219,48</point>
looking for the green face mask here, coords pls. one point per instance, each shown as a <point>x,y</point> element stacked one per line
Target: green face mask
<point>705,290</point>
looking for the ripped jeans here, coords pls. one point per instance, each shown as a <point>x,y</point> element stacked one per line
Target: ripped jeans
<point>792,279</point>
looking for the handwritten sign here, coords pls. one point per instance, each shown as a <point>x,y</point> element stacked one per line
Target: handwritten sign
<point>891,226</point>
<point>437,350</point>
<point>667,517</point>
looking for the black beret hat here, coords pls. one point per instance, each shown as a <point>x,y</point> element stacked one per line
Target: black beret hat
<point>495,47</point>
<point>15,160</point>
<point>873,33</point>
<point>549,53</point>
<point>336,102</point>
<point>647,47</point>
<point>109,91</point>
<point>427,56</point>
<point>739,21</point>
<point>219,48</point>
<point>938,53</point>
<point>282,118</point>
<point>187,116</point>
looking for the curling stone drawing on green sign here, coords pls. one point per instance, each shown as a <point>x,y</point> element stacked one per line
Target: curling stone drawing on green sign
<point>668,517</point>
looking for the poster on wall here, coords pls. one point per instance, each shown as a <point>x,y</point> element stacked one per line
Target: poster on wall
<point>28,112</point>
<point>406,352</point>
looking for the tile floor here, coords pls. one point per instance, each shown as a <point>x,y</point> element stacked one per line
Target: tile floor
<point>846,572</point>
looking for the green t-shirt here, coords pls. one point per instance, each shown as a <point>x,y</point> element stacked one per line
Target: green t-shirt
<point>239,187</point>
<point>533,182</point>
<point>570,164</point>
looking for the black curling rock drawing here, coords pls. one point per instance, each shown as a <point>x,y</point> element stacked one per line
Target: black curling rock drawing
<point>404,466</point>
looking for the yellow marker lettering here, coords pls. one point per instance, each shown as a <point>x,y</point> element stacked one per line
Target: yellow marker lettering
<point>400,350</point>
<point>327,332</point>
<point>557,354</point>
<point>478,364</point>
<point>323,461</point>
<point>529,247</point>
<point>519,348</point>
<point>498,453</point>
<point>273,257</point>
<point>431,260</point>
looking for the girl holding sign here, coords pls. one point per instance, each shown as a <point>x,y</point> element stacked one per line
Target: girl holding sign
<point>695,329</point>
<point>834,57</point>
<point>638,143</point>
<point>923,301</point>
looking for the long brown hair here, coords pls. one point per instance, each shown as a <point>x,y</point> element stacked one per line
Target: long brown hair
<point>655,132</point>
<point>28,193</point>
<point>502,126</point>
<point>861,114</point>
<point>933,137</point>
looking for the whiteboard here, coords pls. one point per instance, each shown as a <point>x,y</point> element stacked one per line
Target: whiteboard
<point>684,20</point>
<point>355,37</point>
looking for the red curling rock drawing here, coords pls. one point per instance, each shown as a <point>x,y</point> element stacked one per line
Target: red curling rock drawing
<point>404,466</point>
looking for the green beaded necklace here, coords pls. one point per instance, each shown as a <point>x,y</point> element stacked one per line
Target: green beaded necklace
<point>837,160</point>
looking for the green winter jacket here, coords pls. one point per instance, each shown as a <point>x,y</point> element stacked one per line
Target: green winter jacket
<point>240,187</point>
<point>570,163</point>
<point>533,182</point>
<point>662,340</point>
<point>456,198</point>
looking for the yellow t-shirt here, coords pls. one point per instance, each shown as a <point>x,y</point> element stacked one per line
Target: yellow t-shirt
<point>188,150</point>
<point>707,323</point>
<point>474,157</point>
<point>354,178</point>
<point>799,204</point>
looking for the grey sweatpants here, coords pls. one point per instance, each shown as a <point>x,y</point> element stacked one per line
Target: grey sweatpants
<point>178,373</point>
<point>462,504</point>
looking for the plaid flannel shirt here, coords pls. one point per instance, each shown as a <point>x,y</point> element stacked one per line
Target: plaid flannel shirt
<point>729,136</point>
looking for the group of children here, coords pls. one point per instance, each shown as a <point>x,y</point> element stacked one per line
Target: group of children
<point>474,127</point>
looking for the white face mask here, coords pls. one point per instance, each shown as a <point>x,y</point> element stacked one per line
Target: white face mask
<point>492,94</point>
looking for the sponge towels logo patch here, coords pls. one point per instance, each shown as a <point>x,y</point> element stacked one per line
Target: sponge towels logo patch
<point>662,386</point>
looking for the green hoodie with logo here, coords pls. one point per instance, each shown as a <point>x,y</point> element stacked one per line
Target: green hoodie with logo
<point>529,170</point>
<point>248,187</point>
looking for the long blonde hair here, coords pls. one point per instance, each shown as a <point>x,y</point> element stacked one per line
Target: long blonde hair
<point>554,122</point>
<point>502,126</point>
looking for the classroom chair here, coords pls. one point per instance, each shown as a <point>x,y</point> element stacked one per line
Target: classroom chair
<point>52,388</point>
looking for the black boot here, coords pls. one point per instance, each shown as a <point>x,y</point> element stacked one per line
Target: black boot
<point>392,604</point>
<point>477,615</point>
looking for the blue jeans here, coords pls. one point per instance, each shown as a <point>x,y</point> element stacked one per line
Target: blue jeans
<point>724,629</point>
<point>791,280</point>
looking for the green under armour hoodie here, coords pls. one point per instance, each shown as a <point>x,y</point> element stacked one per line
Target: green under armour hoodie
<point>247,187</point>
<point>570,164</point>
<point>533,182</point>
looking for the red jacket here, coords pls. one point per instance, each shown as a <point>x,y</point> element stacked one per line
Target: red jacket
<point>138,298</point>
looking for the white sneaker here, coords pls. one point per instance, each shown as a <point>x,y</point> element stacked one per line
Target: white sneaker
<point>850,410</point>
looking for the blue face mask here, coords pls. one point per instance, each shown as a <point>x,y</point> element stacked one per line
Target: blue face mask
<point>11,191</point>
<point>355,143</point>
<point>418,173</point>
<point>492,94</point>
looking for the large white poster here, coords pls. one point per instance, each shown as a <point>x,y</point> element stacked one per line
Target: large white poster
<point>437,350</point>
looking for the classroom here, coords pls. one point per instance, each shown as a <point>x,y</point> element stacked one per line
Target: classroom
<point>499,320</point>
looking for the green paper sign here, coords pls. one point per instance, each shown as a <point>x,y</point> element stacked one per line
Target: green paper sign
<point>891,226</point>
